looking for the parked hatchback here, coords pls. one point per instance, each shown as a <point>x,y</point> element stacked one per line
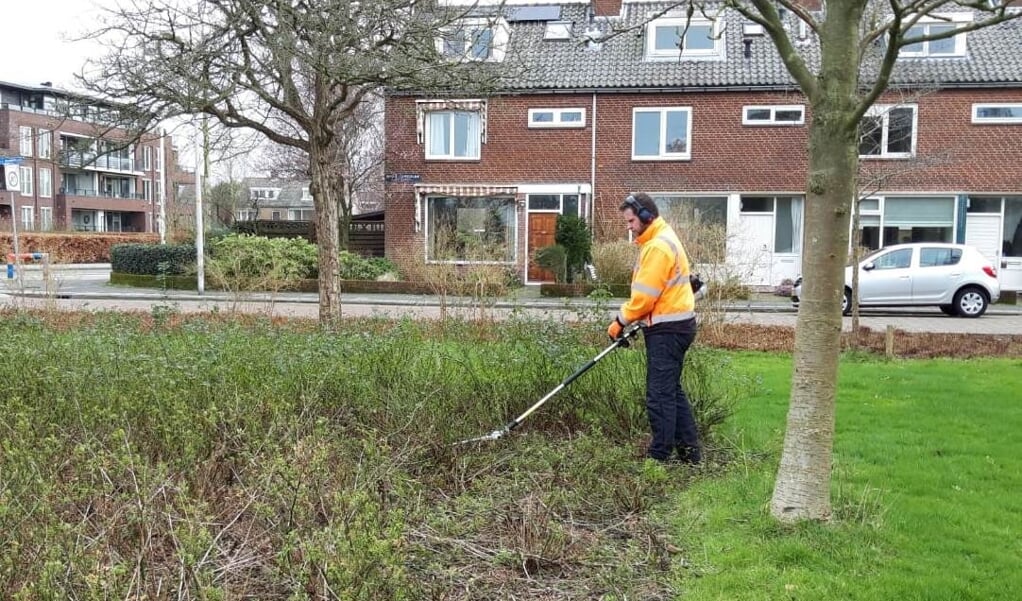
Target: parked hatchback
<point>956,278</point>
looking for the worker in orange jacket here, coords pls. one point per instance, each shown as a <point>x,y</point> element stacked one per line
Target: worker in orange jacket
<point>661,298</point>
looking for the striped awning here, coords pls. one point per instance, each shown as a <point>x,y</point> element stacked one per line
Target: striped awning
<point>465,190</point>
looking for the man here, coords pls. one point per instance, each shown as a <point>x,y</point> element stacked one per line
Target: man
<point>662,298</point>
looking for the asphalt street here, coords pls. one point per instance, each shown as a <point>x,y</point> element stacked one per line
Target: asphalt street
<point>88,288</point>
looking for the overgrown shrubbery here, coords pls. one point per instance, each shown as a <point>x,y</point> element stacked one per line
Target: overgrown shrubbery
<point>218,459</point>
<point>357,267</point>
<point>74,247</point>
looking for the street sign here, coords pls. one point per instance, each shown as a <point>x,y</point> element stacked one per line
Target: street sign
<point>11,178</point>
<point>403,178</point>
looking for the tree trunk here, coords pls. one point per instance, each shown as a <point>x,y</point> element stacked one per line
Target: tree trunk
<point>802,489</point>
<point>324,202</point>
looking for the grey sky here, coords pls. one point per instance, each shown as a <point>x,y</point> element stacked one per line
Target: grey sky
<point>33,40</point>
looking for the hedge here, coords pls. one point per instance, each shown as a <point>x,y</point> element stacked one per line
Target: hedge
<point>67,247</point>
<point>152,259</point>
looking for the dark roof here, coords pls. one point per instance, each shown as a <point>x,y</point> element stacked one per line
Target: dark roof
<point>993,57</point>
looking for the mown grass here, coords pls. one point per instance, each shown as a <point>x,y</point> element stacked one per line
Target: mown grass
<point>162,456</point>
<point>926,483</point>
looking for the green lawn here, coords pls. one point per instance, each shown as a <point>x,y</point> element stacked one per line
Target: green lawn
<point>926,489</point>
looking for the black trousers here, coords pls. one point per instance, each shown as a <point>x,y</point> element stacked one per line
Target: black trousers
<point>670,414</point>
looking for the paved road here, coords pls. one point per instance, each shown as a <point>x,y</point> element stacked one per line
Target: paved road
<point>87,289</point>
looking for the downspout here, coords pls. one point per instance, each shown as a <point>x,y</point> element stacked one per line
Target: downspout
<point>592,168</point>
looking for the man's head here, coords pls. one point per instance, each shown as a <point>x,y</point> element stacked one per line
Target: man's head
<point>639,211</point>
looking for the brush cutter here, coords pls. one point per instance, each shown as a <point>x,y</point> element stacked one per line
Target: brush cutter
<point>620,341</point>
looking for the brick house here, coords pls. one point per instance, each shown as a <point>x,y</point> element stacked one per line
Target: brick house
<point>712,128</point>
<point>74,175</point>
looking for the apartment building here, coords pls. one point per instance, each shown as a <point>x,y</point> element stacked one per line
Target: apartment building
<point>78,172</point>
<point>702,115</point>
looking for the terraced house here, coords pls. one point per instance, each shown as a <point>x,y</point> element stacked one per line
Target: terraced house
<point>707,120</point>
<point>76,171</point>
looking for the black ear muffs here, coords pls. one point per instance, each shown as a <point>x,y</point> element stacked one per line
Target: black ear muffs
<point>645,215</point>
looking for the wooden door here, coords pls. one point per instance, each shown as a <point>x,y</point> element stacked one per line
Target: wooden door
<point>542,227</point>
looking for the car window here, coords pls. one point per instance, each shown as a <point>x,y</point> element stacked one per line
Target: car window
<point>934,257</point>
<point>899,259</point>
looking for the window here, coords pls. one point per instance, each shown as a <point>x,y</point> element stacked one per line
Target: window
<point>27,218</point>
<point>787,212</point>
<point>668,38</point>
<point>300,214</point>
<point>936,257</point>
<point>471,229</point>
<point>26,141</point>
<point>306,195</point>
<point>888,132</point>
<point>661,133</point>
<point>26,180</point>
<point>918,219</point>
<point>45,183</point>
<point>997,113</point>
<point>935,25</point>
<point>44,144</point>
<point>1011,209</point>
<point>899,259</point>
<point>565,204</point>
<point>701,223</point>
<point>46,218</point>
<point>147,189</point>
<point>774,115</point>
<point>557,117</point>
<point>246,215</point>
<point>474,40</point>
<point>147,158</point>
<point>275,215</point>
<point>452,135</point>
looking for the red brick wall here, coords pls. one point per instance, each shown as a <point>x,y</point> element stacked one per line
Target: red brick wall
<point>726,156</point>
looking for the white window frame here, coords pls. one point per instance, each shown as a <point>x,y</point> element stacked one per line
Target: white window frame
<point>147,158</point>
<point>297,214</point>
<point>939,19</point>
<point>26,180</point>
<point>25,147</point>
<point>147,189</point>
<point>46,218</point>
<point>774,109</point>
<point>44,143</point>
<point>246,214</point>
<point>1013,120</point>
<point>558,118</point>
<point>45,183</point>
<point>664,155</point>
<point>884,111</point>
<point>716,53</point>
<point>450,156</point>
<point>499,35</point>
<point>27,217</point>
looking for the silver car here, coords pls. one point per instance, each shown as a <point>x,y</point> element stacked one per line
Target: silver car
<point>954,277</point>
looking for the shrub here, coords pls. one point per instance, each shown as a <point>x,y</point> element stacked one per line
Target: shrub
<point>554,258</point>
<point>357,267</point>
<point>573,234</point>
<point>152,259</point>
<point>76,247</point>
<point>244,262</point>
<point>614,261</point>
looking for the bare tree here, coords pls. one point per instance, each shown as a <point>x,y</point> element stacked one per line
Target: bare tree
<point>292,70</point>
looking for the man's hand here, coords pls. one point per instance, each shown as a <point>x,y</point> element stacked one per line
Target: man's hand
<point>614,331</point>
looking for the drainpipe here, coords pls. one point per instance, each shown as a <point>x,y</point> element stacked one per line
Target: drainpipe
<point>592,167</point>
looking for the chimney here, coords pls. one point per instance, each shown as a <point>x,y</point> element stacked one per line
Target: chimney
<point>606,8</point>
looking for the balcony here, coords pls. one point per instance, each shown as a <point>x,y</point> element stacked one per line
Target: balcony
<point>90,162</point>
<point>87,193</point>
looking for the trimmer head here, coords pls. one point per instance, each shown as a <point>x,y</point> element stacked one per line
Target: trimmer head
<point>491,436</point>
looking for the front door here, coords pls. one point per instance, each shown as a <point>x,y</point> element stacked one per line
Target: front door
<point>542,227</point>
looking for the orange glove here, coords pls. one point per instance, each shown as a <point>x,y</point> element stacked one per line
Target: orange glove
<point>615,329</point>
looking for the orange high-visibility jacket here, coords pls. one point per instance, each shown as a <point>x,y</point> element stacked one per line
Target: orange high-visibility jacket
<point>660,288</point>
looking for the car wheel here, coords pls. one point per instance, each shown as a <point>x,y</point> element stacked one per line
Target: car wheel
<point>948,310</point>
<point>971,302</point>
<point>846,302</point>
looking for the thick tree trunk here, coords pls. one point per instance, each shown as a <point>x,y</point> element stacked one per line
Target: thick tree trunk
<point>325,203</point>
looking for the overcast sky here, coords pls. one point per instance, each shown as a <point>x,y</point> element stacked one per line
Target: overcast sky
<point>34,40</point>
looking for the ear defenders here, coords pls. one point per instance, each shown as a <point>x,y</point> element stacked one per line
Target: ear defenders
<point>645,215</point>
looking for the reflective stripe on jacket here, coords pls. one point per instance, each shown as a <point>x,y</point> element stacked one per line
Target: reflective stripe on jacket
<point>660,288</point>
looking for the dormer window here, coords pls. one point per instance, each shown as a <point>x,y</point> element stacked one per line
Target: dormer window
<point>932,26</point>
<point>474,40</point>
<point>673,38</point>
